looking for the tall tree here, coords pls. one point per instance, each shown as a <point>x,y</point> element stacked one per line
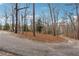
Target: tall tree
<point>52,10</point>
<point>77,13</point>
<point>34,19</point>
<point>25,19</point>
<point>16,9</point>
<point>12,18</point>
<point>6,26</point>
<point>39,25</point>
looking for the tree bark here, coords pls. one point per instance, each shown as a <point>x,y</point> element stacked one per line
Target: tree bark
<point>16,8</point>
<point>77,21</point>
<point>34,19</point>
<point>12,19</point>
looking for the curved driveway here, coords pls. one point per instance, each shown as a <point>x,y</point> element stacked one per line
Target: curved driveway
<point>25,47</point>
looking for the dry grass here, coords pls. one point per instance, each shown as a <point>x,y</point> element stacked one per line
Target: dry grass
<point>71,35</point>
<point>42,37</point>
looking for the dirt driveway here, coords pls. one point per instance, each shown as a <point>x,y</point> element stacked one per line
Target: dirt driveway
<point>26,47</point>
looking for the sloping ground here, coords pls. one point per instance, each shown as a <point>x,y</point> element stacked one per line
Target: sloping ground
<point>42,37</point>
<point>26,47</point>
<point>71,35</point>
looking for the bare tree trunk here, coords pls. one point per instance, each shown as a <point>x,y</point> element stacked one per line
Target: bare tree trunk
<point>12,19</point>
<point>77,21</point>
<point>25,20</point>
<point>19,22</point>
<point>72,24</point>
<point>6,18</point>
<point>22,23</point>
<point>50,10</point>
<point>54,23</point>
<point>57,15</point>
<point>53,20</point>
<point>78,29</point>
<point>16,8</point>
<point>34,19</point>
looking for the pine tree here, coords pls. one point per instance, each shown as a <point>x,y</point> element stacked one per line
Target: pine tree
<point>39,25</point>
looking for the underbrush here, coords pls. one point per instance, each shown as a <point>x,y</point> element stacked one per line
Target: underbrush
<point>42,37</point>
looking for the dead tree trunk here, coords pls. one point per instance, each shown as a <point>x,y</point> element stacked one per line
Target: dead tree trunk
<point>16,8</point>
<point>50,10</point>
<point>22,23</point>
<point>12,18</point>
<point>25,20</point>
<point>54,23</point>
<point>53,20</point>
<point>6,18</point>
<point>33,19</point>
<point>77,21</point>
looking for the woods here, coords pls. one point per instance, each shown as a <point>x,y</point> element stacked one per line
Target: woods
<point>39,29</point>
<point>55,21</point>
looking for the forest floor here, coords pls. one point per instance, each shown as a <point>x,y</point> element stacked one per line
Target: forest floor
<point>41,37</point>
<point>12,43</point>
